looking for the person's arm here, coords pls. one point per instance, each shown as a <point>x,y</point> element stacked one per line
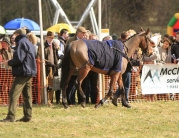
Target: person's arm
<point>150,58</point>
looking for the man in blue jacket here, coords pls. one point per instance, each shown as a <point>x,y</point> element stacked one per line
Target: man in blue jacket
<point>23,68</point>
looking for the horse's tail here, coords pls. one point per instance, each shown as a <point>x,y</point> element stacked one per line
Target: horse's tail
<point>65,67</point>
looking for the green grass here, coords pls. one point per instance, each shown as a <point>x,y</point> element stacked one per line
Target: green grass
<point>143,120</point>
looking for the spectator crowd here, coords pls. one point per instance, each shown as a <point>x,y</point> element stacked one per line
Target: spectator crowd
<point>163,50</point>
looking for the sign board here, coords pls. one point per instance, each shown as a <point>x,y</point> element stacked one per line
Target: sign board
<point>104,32</point>
<point>159,79</point>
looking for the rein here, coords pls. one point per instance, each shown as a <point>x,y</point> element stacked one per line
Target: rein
<point>124,55</point>
<point>145,53</point>
<point>121,52</point>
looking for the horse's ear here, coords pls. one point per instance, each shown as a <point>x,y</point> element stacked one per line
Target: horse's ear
<point>148,31</point>
<point>141,29</point>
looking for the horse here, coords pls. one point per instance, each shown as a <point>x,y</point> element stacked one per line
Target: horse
<point>79,56</point>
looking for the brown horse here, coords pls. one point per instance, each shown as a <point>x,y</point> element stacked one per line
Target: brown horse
<point>78,57</point>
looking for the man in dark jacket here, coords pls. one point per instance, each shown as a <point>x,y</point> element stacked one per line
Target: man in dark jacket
<point>175,48</point>
<point>80,34</point>
<point>23,68</point>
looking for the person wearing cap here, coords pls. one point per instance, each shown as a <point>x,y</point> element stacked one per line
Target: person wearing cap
<point>80,34</point>
<point>6,50</point>
<point>51,61</point>
<point>24,68</point>
<point>90,83</point>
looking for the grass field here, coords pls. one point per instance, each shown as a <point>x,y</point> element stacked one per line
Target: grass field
<point>143,120</point>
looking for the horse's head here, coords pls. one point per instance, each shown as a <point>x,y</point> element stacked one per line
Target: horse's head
<point>145,41</point>
<point>141,39</point>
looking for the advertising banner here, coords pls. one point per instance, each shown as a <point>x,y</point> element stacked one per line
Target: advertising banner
<point>159,79</point>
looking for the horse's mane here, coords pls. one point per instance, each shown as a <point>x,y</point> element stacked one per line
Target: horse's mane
<point>131,37</point>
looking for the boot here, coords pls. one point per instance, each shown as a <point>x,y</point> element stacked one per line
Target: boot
<point>114,100</point>
<point>126,104</point>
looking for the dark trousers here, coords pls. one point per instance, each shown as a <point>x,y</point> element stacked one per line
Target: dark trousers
<point>126,78</point>
<point>71,90</point>
<point>57,96</point>
<point>94,93</point>
<point>89,86</point>
<point>24,85</point>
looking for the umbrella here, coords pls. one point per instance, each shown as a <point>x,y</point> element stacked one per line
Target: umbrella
<point>22,22</point>
<point>2,30</point>
<point>58,27</point>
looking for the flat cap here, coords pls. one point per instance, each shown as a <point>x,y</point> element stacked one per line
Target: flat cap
<point>81,29</point>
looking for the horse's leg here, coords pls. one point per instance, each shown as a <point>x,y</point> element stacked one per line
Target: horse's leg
<point>64,97</point>
<point>83,72</point>
<point>110,92</point>
<point>120,91</point>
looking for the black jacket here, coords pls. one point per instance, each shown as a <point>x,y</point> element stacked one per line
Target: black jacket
<point>23,62</point>
<point>175,49</point>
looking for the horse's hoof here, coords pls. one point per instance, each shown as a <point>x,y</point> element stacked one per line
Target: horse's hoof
<point>83,104</point>
<point>97,105</point>
<point>114,100</point>
<point>126,105</point>
<point>102,102</point>
<point>65,105</point>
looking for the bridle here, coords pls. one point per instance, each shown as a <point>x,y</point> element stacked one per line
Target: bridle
<point>146,51</point>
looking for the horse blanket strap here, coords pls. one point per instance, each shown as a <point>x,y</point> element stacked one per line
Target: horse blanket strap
<point>102,56</point>
<point>123,54</point>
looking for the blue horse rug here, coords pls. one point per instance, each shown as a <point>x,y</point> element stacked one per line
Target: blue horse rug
<point>102,56</point>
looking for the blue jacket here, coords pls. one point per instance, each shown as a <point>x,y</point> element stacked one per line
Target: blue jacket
<point>23,62</point>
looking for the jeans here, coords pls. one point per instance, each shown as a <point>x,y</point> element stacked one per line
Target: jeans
<point>126,78</point>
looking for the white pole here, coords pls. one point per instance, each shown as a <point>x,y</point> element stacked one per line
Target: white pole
<point>92,22</point>
<point>94,19</point>
<point>86,12</point>
<point>42,54</point>
<point>99,19</point>
<point>60,11</point>
<point>99,36</point>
